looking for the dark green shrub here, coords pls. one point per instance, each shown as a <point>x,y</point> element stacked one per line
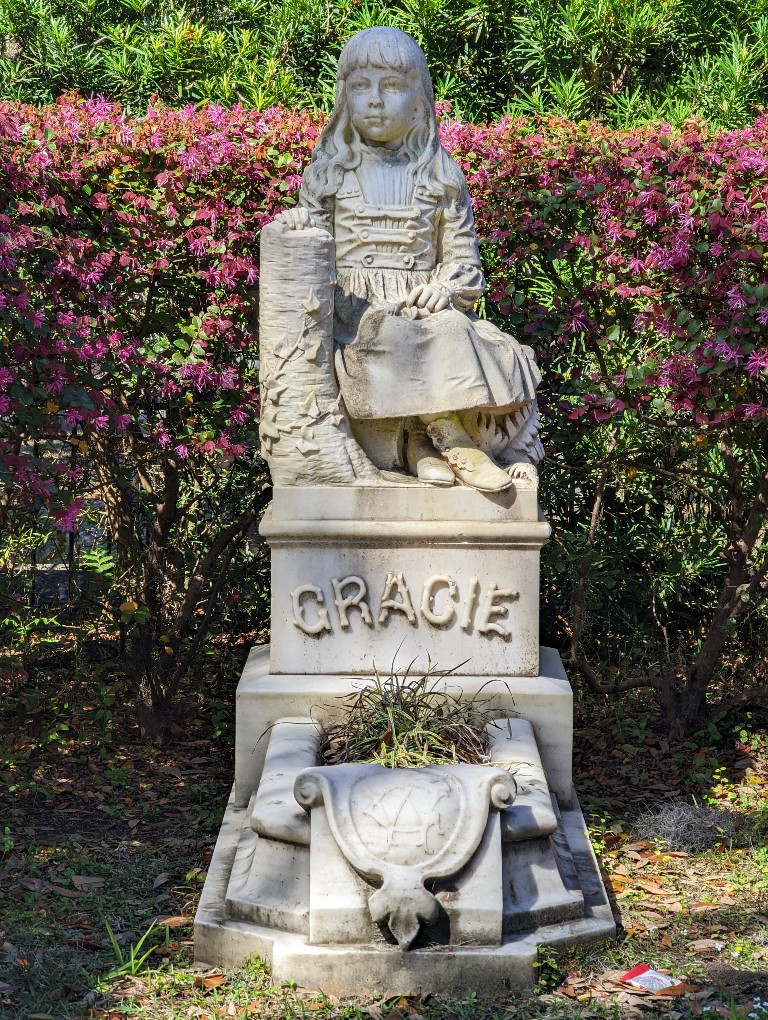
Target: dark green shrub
<point>623,62</point>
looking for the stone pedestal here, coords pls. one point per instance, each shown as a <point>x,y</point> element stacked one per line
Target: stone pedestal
<point>223,938</point>
<point>365,577</point>
<point>313,869</point>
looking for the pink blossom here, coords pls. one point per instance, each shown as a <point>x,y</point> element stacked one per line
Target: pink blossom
<point>736,298</point>
<point>238,415</point>
<point>757,362</point>
<point>728,352</point>
<point>65,519</point>
<point>753,411</point>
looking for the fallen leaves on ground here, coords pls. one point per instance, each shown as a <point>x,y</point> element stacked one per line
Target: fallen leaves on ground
<point>608,986</point>
<point>87,882</point>
<point>212,979</point>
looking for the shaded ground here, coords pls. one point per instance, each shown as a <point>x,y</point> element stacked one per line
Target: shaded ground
<point>102,834</point>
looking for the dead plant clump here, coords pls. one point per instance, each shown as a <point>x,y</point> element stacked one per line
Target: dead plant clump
<point>692,827</point>
<point>404,721</point>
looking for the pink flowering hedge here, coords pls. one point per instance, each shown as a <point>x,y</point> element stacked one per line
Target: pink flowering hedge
<point>635,263</point>
<point>128,282</point>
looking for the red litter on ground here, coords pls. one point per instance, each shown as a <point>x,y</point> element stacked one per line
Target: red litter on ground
<point>642,976</point>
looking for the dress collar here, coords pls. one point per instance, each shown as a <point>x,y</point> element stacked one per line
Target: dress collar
<point>381,154</point>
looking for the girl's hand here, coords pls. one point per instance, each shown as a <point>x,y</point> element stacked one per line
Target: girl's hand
<point>427,300</point>
<point>297,218</point>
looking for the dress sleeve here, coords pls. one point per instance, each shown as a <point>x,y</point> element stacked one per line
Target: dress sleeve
<point>320,209</point>
<point>458,270</point>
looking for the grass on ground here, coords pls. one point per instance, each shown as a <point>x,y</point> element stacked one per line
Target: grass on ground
<point>105,839</point>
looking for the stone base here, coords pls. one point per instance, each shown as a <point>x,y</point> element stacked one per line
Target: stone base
<point>362,575</point>
<point>455,970</point>
<point>546,701</point>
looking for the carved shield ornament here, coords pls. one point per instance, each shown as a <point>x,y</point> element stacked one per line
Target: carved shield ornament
<point>402,828</point>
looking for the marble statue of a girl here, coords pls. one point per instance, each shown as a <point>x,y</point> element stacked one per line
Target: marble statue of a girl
<point>408,346</point>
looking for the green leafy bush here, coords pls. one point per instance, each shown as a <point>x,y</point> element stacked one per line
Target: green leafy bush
<point>623,62</point>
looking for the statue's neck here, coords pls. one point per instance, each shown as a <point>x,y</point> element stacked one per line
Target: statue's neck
<point>383,154</point>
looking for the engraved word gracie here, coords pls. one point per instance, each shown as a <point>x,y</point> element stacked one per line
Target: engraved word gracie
<point>441,604</point>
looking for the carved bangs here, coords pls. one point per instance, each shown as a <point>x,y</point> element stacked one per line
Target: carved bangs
<point>387,49</point>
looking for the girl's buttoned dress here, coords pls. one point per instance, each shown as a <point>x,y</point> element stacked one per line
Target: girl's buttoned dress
<point>391,236</point>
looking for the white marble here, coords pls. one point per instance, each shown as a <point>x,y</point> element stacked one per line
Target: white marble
<point>359,968</point>
<point>402,829</point>
<point>407,501</point>
<point>269,882</point>
<point>402,435</point>
<point>392,359</point>
<point>378,835</point>
<point>263,698</point>
<point>513,747</point>
<point>305,435</point>
<point>293,746</point>
<point>388,575</point>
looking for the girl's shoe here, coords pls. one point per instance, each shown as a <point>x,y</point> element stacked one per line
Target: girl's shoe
<point>471,465</point>
<point>424,461</point>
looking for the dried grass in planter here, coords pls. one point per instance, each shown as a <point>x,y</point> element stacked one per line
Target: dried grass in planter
<point>404,721</point>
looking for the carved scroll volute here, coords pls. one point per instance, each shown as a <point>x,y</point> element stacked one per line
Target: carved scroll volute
<point>305,435</point>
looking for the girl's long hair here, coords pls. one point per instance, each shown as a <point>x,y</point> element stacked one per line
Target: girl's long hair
<point>340,146</point>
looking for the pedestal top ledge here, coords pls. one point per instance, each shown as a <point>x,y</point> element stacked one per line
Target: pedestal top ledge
<point>404,502</point>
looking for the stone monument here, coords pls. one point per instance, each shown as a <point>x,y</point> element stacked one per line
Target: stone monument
<point>401,431</point>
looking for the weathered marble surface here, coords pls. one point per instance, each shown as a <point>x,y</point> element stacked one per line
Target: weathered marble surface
<point>371,354</point>
<point>312,922</point>
<point>305,435</point>
<point>376,575</point>
<point>402,829</point>
<point>263,697</point>
<point>402,435</point>
<point>456,854</point>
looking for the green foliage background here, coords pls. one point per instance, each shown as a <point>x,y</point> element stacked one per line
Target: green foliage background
<point>621,61</point>
<point>639,551</point>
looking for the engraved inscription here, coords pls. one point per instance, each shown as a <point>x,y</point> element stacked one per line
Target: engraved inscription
<point>469,603</point>
<point>443,603</point>
<point>395,585</point>
<point>428,609</point>
<point>299,609</point>
<point>408,822</point>
<point>356,599</point>
<point>491,609</point>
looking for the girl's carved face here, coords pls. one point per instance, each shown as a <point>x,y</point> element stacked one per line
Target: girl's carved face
<point>382,105</point>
